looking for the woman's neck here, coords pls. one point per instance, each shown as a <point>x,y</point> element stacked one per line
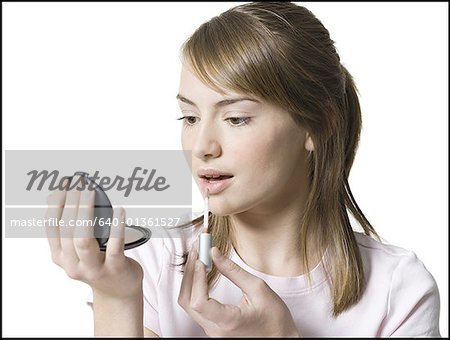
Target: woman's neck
<point>269,241</point>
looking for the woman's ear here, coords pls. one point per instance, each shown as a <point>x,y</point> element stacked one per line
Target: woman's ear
<point>309,145</point>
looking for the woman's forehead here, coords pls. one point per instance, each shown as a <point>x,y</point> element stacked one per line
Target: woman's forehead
<point>193,90</point>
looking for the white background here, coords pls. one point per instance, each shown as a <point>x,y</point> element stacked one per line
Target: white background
<point>105,76</point>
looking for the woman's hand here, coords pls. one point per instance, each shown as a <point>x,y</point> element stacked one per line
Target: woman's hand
<point>74,248</point>
<point>261,312</point>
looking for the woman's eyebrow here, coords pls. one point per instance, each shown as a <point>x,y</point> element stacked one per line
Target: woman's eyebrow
<point>219,103</point>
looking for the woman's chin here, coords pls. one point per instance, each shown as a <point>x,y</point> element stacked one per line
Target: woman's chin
<point>227,203</point>
<point>220,212</point>
<point>225,210</point>
<point>220,208</point>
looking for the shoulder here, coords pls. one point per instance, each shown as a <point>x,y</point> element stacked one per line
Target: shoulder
<point>390,256</point>
<point>413,302</point>
<point>366,242</point>
<point>397,261</point>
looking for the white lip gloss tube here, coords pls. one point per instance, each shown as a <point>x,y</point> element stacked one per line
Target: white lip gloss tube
<point>205,242</point>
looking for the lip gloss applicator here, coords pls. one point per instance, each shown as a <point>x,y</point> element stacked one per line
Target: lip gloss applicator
<point>205,242</point>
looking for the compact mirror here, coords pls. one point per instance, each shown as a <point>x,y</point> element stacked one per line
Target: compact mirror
<point>103,211</point>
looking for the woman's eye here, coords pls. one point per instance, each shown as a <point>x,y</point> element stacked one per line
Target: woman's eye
<point>233,121</point>
<point>189,120</point>
<point>238,121</point>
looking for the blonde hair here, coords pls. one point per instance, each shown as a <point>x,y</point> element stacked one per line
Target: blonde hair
<point>281,52</point>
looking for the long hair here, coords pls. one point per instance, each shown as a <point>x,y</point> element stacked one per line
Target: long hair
<point>281,52</point>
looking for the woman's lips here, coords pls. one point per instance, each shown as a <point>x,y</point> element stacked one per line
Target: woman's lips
<point>215,186</point>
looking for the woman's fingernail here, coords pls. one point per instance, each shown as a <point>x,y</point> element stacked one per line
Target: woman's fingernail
<point>198,265</point>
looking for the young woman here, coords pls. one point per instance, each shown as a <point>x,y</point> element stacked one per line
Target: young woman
<point>267,106</point>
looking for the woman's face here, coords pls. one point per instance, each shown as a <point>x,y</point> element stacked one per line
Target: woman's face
<point>255,142</point>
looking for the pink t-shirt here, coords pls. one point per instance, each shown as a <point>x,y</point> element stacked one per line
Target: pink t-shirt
<point>401,298</point>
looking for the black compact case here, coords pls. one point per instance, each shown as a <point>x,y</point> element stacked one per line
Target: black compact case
<point>103,212</point>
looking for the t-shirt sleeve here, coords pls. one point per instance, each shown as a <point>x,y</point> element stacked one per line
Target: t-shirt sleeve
<point>414,303</point>
<point>150,257</point>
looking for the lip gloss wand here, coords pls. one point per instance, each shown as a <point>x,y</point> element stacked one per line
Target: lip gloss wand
<point>205,242</point>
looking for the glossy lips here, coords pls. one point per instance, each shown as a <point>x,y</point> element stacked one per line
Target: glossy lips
<point>214,180</point>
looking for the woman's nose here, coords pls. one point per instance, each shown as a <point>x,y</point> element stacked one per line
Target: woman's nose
<point>206,144</point>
